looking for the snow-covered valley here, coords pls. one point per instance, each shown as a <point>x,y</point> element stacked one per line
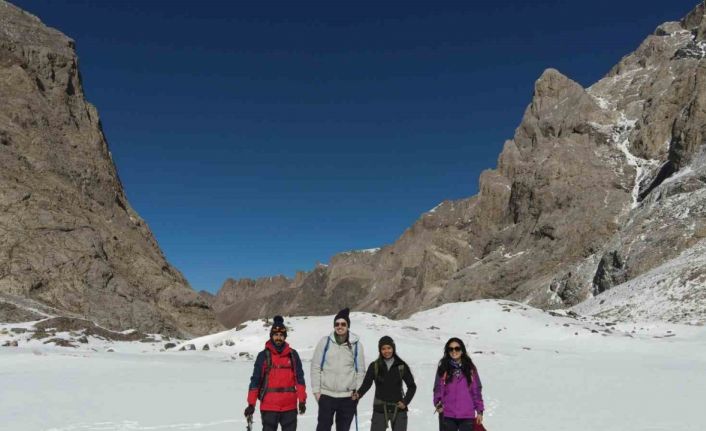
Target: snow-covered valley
<point>540,371</point>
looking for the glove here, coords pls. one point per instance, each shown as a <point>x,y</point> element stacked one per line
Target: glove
<point>249,410</point>
<point>302,408</point>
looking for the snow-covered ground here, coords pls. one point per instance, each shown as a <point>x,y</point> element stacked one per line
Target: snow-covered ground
<point>540,371</point>
<point>673,291</point>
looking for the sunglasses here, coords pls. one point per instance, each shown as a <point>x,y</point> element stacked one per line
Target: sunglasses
<point>280,331</point>
<point>337,324</point>
<point>454,349</point>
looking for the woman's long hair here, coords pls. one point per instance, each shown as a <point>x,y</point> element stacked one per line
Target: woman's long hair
<point>467,365</point>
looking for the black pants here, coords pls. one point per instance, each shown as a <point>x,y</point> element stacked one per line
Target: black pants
<point>343,408</point>
<point>453,424</point>
<point>270,420</point>
<point>399,424</point>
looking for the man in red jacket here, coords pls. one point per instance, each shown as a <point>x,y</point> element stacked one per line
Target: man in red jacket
<point>278,382</point>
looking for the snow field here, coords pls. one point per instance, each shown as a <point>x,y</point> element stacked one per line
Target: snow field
<point>539,371</point>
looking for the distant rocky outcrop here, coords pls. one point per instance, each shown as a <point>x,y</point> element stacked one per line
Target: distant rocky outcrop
<point>597,187</point>
<point>68,235</point>
<point>11,313</point>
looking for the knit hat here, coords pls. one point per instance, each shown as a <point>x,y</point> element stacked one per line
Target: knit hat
<point>278,326</point>
<point>343,314</point>
<point>386,341</point>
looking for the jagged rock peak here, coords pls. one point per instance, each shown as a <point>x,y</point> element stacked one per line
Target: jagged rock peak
<point>552,83</point>
<point>694,20</point>
<point>75,243</point>
<point>555,92</point>
<point>19,26</point>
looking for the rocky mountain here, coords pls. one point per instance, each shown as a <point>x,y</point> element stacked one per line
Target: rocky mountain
<point>69,238</point>
<point>598,187</point>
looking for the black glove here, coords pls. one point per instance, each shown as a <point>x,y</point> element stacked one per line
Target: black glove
<point>249,410</point>
<point>302,408</point>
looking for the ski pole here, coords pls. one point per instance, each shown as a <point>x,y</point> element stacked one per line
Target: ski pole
<point>249,428</point>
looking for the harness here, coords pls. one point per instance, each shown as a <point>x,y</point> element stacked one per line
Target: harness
<point>386,404</point>
<point>264,389</point>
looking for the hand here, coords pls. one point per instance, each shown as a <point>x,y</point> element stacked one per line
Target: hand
<point>302,408</point>
<point>400,405</point>
<point>249,410</point>
<point>439,408</point>
<point>317,395</point>
<point>355,396</point>
<point>479,419</point>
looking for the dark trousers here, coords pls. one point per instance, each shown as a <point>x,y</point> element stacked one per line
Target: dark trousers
<point>343,408</point>
<point>287,420</point>
<point>453,424</point>
<point>399,424</point>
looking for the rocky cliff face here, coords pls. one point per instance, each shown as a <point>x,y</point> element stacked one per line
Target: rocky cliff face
<point>597,187</point>
<point>68,236</point>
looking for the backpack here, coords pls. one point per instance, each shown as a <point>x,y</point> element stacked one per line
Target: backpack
<point>266,375</point>
<point>355,354</point>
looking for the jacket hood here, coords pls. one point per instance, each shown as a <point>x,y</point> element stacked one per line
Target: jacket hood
<point>269,345</point>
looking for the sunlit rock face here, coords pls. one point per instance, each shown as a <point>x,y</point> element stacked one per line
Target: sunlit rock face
<point>598,186</point>
<point>69,238</point>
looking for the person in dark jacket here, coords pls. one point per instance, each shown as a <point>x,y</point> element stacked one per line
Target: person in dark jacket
<point>278,382</point>
<point>388,372</point>
<point>458,389</point>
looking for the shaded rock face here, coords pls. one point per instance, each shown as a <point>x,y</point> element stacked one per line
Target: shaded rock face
<point>597,187</point>
<point>68,236</point>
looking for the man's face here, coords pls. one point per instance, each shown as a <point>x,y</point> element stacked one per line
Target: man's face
<point>278,338</point>
<point>341,326</point>
<point>387,351</point>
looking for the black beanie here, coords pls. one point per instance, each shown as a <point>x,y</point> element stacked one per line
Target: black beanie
<point>278,322</point>
<point>343,314</point>
<point>387,341</point>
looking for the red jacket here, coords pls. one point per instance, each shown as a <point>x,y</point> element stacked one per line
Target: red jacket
<point>283,384</point>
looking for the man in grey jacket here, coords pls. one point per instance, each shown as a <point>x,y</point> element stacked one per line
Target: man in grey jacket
<point>337,370</point>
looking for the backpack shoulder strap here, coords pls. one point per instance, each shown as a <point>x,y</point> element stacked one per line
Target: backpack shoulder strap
<point>268,361</point>
<point>376,368</point>
<point>400,368</point>
<point>265,374</point>
<point>323,357</point>
<point>355,357</point>
<point>292,357</point>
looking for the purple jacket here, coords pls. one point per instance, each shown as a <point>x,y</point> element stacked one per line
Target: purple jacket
<point>458,399</point>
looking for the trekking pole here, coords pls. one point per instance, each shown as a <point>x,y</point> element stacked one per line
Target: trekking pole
<point>249,428</point>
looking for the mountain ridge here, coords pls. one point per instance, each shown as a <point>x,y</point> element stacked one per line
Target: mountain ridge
<point>547,224</point>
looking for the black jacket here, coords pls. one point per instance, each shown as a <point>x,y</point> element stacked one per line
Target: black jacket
<point>388,384</point>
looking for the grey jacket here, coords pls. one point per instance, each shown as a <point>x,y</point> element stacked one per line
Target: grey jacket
<point>338,378</point>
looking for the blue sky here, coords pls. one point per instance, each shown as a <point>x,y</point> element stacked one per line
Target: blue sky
<point>257,138</point>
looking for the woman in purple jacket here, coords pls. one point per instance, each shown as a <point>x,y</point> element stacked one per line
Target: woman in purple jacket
<point>457,389</point>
